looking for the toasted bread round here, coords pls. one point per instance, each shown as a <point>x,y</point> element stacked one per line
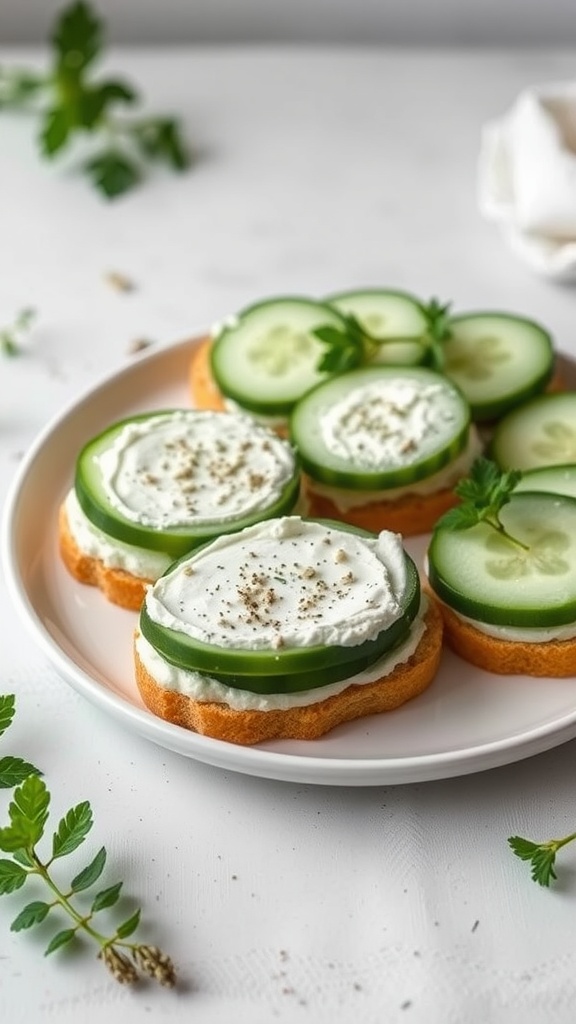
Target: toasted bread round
<point>204,391</point>
<point>409,515</point>
<point>118,586</point>
<point>222,722</point>
<point>552,659</point>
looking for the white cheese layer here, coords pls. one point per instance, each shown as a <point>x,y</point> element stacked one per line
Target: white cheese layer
<point>115,554</point>
<point>521,634</point>
<point>389,422</point>
<point>284,582</point>
<point>194,466</point>
<point>204,688</point>
<point>445,478</point>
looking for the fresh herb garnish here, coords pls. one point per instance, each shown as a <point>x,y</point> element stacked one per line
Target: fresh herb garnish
<point>28,817</point>
<point>438,330</point>
<point>11,336</point>
<point>353,345</point>
<point>345,347</point>
<point>483,495</point>
<point>542,856</point>
<point>71,103</point>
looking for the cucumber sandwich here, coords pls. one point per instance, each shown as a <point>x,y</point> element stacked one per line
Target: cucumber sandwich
<point>150,488</point>
<point>286,629</point>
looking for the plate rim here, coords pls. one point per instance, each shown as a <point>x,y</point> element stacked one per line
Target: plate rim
<point>253,761</point>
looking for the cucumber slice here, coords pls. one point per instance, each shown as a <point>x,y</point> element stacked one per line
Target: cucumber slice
<point>541,432</point>
<point>481,574</point>
<point>552,479</point>
<point>376,428</point>
<point>288,669</point>
<point>267,357</point>
<point>497,360</point>
<point>187,529</point>
<point>387,314</point>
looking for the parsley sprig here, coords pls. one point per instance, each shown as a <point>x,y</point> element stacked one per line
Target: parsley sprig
<point>28,814</point>
<point>541,856</point>
<point>483,495</point>
<point>11,335</point>
<point>71,102</point>
<point>353,345</point>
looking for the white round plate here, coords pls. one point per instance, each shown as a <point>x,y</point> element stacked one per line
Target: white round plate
<point>467,721</point>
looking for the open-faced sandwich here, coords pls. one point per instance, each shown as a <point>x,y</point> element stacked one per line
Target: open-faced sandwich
<point>285,630</point>
<point>382,447</point>
<point>153,487</point>
<point>503,567</point>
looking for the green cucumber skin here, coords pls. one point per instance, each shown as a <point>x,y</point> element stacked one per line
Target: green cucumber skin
<point>260,668</point>
<point>306,678</point>
<point>501,613</point>
<point>174,543</point>
<point>492,409</point>
<point>388,479</point>
<point>225,380</point>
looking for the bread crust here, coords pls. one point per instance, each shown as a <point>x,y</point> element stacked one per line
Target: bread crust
<point>553,659</point>
<point>204,391</point>
<point>246,728</point>
<point>409,515</point>
<point>118,586</point>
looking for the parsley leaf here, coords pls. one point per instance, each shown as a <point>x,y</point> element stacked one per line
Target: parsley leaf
<point>541,856</point>
<point>112,173</point>
<point>160,139</point>
<point>71,104</point>
<point>483,494</point>
<point>438,330</point>
<point>344,346</point>
<point>77,38</point>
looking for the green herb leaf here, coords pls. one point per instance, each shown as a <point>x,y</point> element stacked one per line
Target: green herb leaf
<point>61,939</point>
<point>541,856</point>
<point>7,707</point>
<point>12,876</point>
<point>95,103</point>
<point>438,329</point>
<point>72,830</point>
<point>33,913</point>
<point>24,858</point>
<point>77,38</point>
<point>90,874</point>
<point>28,813</point>
<point>483,494</point>
<point>161,139</point>
<point>13,771</point>
<point>112,173</point>
<point>129,926</point>
<point>55,130</point>
<point>106,898</point>
<point>344,346</point>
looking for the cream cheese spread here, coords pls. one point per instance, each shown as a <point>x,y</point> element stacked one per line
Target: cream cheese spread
<point>284,582</point>
<point>389,422</point>
<point>114,554</point>
<point>521,634</point>
<point>204,688</point>
<point>190,467</point>
<point>445,479</point>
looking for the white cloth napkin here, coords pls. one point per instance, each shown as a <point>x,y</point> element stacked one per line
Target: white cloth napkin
<point>527,177</point>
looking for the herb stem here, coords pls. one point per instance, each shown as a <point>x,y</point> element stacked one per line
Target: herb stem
<point>81,921</point>
<point>497,525</point>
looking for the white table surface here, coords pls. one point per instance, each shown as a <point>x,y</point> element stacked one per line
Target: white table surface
<point>316,171</point>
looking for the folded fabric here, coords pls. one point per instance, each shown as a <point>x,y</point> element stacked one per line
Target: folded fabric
<point>527,177</point>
